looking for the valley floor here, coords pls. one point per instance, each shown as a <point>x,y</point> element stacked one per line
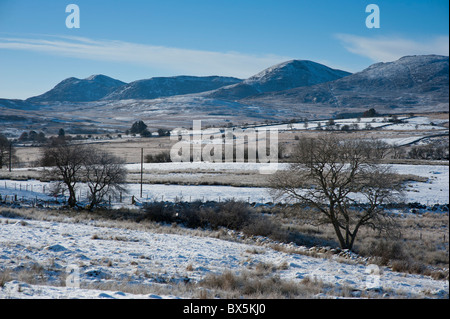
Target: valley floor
<point>208,181</point>
<point>70,256</point>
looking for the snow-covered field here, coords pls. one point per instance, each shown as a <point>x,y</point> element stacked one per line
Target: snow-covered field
<point>407,124</point>
<point>434,191</point>
<point>80,254</point>
<point>77,258</point>
<point>416,128</point>
<point>421,123</point>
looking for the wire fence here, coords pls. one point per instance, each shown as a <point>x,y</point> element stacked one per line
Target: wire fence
<point>41,193</point>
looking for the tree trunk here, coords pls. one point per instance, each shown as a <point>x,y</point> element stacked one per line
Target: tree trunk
<point>342,241</point>
<point>72,201</point>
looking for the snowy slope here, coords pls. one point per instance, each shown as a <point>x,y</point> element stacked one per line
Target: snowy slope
<point>280,77</point>
<point>410,84</point>
<point>292,74</point>
<point>158,87</point>
<point>73,89</point>
<point>127,257</point>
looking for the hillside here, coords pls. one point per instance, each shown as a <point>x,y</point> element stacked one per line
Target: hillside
<point>290,90</point>
<point>169,86</point>
<point>79,90</point>
<point>410,83</point>
<point>280,77</point>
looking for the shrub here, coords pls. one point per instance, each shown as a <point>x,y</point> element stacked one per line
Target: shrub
<point>251,285</point>
<point>230,214</point>
<point>408,266</point>
<point>5,276</point>
<point>189,215</point>
<point>436,150</point>
<point>146,133</point>
<point>162,157</point>
<point>233,215</point>
<point>387,251</point>
<point>260,227</point>
<point>160,212</point>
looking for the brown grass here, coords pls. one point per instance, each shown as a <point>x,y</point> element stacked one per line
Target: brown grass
<point>422,250</point>
<point>253,285</point>
<point>423,247</point>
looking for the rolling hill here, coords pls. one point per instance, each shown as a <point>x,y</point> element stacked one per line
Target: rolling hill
<point>418,83</point>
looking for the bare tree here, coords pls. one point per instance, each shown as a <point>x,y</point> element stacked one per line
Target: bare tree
<point>376,149</point>
<point>341,184</point>
<point>71,165</point>
<point>435,150</point>
<point>64,163</point>
<point>104,175</point>
<point>6,151</point>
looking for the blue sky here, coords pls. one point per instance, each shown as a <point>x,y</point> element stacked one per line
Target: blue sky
<point>137,39</point>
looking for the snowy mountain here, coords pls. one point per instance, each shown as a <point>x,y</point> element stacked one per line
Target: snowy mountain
<point>169,86</point>
<point>292,89</point>
<point>72,89</point>
<point>280,77</point>
<point>410,82</point>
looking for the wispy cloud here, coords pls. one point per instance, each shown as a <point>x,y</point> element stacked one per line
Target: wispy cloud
<point>385,49</point>
<point>179,60</point>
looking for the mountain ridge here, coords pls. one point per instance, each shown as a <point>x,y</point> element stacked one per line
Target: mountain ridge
<point>409,84</point>
<point>73,89</point>
<point>280,77</point>
<point>408,81</point>
<point>158,87</point>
